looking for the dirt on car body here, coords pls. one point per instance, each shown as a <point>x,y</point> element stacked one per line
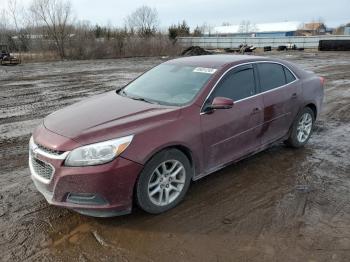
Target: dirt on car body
<point>279,205</point>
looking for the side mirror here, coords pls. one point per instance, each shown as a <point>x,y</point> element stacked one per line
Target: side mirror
<point>221,103</point>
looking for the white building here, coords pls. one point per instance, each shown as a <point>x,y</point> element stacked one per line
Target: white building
<point>264,29</point>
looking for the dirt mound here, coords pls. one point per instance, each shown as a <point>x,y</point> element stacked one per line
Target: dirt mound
<point>195,50</point>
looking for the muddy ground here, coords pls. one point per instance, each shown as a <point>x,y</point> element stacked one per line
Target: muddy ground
<point>280,205</point>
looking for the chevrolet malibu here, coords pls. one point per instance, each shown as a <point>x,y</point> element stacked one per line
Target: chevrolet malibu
<point>180,121</point>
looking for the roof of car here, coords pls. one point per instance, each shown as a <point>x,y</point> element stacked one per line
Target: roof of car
<point>216,61</point>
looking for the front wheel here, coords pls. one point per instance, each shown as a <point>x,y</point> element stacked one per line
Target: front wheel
<point>163,182</point>
<point>302,128</point>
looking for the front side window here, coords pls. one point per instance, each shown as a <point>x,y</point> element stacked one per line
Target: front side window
<point>237,84</point>
<point>271,76</point>
<point>169,84</point>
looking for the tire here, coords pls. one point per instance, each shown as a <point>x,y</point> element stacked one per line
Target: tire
<point>294,139</point>
<point>159,188</point>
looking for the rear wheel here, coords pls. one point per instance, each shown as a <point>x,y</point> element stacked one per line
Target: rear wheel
<point>163,182</point>
<point>302,128</point>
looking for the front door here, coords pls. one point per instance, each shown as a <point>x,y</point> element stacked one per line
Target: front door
<point>228,134</point>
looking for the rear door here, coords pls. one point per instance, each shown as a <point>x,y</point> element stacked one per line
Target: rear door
<point>229,134</point>
<point>277,97</point>
<point>293,91</point>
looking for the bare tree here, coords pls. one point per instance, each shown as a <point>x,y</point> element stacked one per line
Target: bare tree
<point>247,27</point>
<point>12,10</point>
<point>56,17</point>
<point>226,24</point>
<point>207,29</point>
<point>144,20</point>
<point>4,27</point>
<point>197,31</point>
<point>21,24</point>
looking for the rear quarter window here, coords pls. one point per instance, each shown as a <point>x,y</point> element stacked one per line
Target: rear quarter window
<point>289,76</point>
<point>271,76</point>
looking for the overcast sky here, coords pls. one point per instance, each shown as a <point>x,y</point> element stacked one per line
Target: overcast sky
<point>214,12</point>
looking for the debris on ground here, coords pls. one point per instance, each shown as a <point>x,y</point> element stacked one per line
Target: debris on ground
<point>244,48</point>
<point>267,48</point>
<point>99,239</point>
<point>194,51</point>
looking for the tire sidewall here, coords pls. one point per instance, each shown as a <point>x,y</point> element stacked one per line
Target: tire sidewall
<point>293,140</point>
<point>141,194</point>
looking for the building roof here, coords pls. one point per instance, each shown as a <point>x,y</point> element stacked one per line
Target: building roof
<point>313,26</point>
<point>265,27</point>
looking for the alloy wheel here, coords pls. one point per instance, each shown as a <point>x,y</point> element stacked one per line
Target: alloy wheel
<point>166,182</point>
<point>304,127</point>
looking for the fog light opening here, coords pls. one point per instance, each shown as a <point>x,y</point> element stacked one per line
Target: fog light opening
<point>86,199</point>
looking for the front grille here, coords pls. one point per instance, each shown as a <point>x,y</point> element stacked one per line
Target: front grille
<point>50,151</point>
<point>42,169</point>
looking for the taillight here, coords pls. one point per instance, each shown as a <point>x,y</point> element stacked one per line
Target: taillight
<point>323,80</point>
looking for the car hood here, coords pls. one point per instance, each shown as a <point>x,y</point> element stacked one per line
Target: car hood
<point>108,116</point>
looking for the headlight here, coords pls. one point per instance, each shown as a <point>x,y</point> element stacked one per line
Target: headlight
<point>99,153</point>
<point>31,142</point>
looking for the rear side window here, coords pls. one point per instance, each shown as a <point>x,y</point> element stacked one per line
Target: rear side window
<point>289,76</point>
<point>271,76</point>
<point>237,84</point>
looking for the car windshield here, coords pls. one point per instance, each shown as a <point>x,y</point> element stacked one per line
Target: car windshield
<point>168,84</point>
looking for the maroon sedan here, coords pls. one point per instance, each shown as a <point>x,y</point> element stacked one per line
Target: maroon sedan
<point>178,122</point>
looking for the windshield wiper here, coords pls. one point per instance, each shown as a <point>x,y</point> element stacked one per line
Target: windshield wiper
<point>142,99</point>
<point>123,93</point>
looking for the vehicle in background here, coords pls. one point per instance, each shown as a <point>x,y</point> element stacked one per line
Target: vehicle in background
<point>6,58</point>
<point>178,122</point>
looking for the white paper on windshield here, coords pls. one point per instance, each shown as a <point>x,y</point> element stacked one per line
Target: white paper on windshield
<point>204,70</point>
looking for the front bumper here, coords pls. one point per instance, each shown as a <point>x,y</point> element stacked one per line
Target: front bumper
<point>101,191</point>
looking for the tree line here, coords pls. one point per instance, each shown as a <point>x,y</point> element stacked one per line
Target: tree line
<point>49,26</point>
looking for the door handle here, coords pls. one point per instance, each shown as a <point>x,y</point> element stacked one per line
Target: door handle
<point>294,96</point>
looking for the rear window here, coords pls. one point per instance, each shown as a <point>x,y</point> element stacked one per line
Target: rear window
<point>271,76</point>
